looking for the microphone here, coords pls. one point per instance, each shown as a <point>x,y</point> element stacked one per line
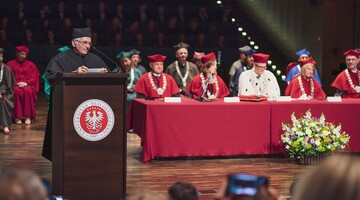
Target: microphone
<point>205,85</point>
<point>218,58</point>
<point>107,57</point>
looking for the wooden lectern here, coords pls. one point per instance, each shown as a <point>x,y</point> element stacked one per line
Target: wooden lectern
<point>84,169</point>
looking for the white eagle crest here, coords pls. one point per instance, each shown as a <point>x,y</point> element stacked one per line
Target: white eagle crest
<point>93,119</point>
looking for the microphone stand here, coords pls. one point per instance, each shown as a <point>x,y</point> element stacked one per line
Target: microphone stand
<point>107,57</point>
<point>202,98</point>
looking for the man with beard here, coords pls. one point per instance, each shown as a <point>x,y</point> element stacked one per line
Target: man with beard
<point>236,65</point>
<point>302,55</point>
<point>246,64</point>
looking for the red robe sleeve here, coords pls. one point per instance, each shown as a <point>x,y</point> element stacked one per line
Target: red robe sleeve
<point>140,86</point>
<point>224,91</point>
<point>290,89</point>
<point>195,87</point>
<point>319,92</point>
<point>33,72</point>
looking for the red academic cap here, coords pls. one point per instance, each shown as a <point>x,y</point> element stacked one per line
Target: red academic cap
<point>198,55</point>
<point>352,52</point>
<point>22,49</point>
<point>260,58</point>
<point>156,58</point>
<point>309,60</point>
<point>208,57</point>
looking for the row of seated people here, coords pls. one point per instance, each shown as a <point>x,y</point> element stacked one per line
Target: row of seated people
<point>116,25</point>
<point>336,178</point>
<point>62,29</point>
<point>101,10</point>
<point>254,81</point>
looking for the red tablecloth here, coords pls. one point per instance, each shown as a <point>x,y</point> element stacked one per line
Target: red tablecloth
<point>346,112</point>
<point>193,128</point>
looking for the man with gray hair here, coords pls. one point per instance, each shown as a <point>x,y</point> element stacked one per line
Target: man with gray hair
<point>78,59</point>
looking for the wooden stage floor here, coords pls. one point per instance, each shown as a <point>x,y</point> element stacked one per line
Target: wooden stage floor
<point>22,149</point>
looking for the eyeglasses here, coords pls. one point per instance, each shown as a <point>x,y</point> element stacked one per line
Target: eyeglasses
<point>261,67</point>
<point>84,43</point>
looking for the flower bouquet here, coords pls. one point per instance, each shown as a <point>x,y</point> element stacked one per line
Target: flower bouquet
<point>308,137</point>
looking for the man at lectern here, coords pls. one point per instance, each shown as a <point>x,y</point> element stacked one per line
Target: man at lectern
<point>77,60</point>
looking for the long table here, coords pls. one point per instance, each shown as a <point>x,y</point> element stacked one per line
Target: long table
<point>193,128</point>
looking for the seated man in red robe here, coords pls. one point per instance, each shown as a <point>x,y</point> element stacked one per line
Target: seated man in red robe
<point>156,84</point>
<point>304,85</point>
<point>215,87</point>
<point>27,86</point>
<point>347,83</point>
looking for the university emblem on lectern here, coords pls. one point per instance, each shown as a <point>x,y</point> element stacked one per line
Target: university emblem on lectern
<point>93,120</point>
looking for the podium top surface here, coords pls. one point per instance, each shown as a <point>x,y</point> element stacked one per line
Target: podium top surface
<point>69,75</point>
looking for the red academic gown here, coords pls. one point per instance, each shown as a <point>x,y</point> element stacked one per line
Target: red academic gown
<point>25,98</point>
<point>342,83</point>
<point>144,87</point>
<point>195,87</point>
<point>293,89</point>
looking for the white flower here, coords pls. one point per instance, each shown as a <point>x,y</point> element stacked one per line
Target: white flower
<point>300,133</point>
<point>322,119</point>
<point>308,131</point>
<point>312,124</point>
<point>317,142</point>
<point>325,132</point>
<point>308,114</point>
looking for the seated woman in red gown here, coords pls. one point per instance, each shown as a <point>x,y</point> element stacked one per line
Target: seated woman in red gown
<point>215,87</point>
<point>304,85</point>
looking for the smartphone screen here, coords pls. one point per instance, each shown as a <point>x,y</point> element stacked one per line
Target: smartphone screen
<point>243,184</point>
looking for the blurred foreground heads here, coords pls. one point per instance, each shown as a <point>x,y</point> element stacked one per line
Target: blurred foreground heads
<point>22,185</point>
<point>337,178</point>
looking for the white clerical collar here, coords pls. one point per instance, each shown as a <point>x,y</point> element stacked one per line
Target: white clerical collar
<point>156,74</point>
<point>354,70</point>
